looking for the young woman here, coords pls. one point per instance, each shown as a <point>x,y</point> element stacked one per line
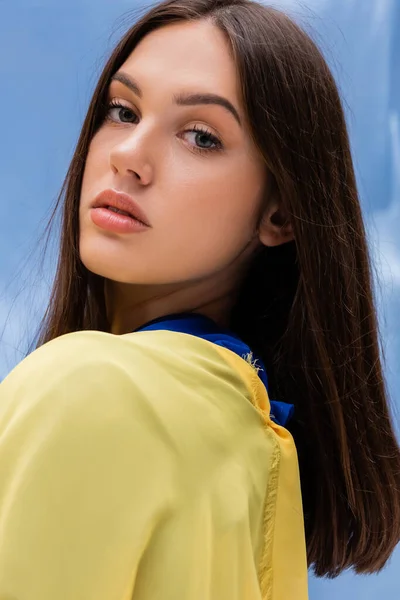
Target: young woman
<point>213,257</point>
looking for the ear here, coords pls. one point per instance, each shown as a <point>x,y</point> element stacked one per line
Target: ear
<point>275,227</point>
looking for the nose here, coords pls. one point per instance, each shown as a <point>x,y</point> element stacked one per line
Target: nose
<point>130,157</point>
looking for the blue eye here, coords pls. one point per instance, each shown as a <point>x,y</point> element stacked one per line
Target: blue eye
<point>204,137</point>
<point>118,113</point>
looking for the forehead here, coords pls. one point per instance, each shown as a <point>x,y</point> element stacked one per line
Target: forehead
<point>185,56</point>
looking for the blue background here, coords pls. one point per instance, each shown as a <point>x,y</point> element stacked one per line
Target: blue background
<point>50,57</point>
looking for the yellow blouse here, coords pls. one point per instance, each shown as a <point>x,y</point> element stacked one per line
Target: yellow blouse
<point>145,466</point>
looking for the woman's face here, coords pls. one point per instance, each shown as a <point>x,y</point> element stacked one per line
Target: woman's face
<point>191,166</point>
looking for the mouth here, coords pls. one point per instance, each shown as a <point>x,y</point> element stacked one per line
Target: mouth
<point>117,210</point>
<point>120,203</point>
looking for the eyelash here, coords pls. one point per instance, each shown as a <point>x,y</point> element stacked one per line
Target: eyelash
<point>196,129</point>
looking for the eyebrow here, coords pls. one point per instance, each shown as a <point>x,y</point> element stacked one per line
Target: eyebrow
<point>181,99</point>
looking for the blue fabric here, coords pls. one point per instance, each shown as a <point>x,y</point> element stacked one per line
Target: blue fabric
<point>204,327</point>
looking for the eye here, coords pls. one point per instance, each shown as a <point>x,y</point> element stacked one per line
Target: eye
<point>118,113</point>
<point>204,140</point>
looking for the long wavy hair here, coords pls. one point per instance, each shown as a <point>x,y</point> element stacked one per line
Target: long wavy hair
<point>307,307</point>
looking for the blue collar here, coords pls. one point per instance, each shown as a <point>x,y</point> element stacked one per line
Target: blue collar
<point>204,327</point>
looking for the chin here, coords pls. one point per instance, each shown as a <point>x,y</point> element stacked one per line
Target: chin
<point>110,268</point>
<point>98,267</point>
<point>108,259</point>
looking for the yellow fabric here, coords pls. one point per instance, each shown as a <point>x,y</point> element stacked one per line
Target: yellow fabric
<point>145,467</point>
<point>283,569</point>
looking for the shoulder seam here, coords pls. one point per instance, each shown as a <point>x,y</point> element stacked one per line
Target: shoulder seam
<point>256,388</point>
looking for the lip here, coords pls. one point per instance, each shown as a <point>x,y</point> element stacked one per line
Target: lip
<point>121,201</point>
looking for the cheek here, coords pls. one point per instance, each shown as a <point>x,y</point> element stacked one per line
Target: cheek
<point>221,204</point>
<point>209,225</point>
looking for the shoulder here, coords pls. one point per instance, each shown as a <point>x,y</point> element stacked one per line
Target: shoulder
<point>71,366</point>
<point>151,361</point>
<point>179,388</point>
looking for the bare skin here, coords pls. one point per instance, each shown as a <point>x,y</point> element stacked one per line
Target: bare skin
<point>204,208</point>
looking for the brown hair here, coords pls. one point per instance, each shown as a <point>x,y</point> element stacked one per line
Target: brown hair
<point>307,306</point>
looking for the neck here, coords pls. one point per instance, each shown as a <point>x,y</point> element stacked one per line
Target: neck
<point>132,306</point>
